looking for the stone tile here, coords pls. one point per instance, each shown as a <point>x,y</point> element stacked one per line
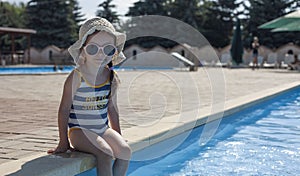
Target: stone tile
<point>10,144</point>
<point>3,140</point>
<point>5,151</point>
<point>17,154</point>
<point>23,146</point>
<point>3,160</point>
<point>46,146</point>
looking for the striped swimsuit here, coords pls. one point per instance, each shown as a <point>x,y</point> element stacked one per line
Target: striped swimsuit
<point>89,108</point>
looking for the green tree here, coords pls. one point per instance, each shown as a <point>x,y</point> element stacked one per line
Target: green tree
<point>186,11</point>
<point>133,24</point>
<point>56,25</point>
<point>213,18</point>
<point>11,15</point>
<point>217,21</point>
<point>236,49</point>
<point>106,11</point>
<point>260,12</point>
<point>76,15</point>
<point>149,7</point>
<point>183,10</point>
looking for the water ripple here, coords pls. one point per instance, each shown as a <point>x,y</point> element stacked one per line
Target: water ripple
<point>263,141</point>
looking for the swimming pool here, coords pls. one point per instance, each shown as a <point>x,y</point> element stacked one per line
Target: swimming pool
<point>64,69</point>
<point>35,70</point>
<point>261,140</point>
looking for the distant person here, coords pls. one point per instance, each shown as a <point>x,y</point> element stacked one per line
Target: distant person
<point>88,105</point>
<point>290,52</point>
<point>61,68</point>
<point>295,65</point>
<point>255,46</point>
<point>290,55</point>
<point>288,58</point>
<point>55,68</point>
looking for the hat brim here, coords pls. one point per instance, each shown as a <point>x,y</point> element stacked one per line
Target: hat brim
<point>120,39</point>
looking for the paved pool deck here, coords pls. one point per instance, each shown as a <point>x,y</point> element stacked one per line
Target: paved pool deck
<point>150,102</point>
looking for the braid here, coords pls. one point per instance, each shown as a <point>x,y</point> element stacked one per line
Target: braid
<point>110,66</point>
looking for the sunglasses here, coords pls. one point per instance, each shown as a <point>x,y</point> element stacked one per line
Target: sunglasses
<point>93,49</point>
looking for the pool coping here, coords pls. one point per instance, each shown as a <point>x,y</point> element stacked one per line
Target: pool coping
<point>75,162</point>
<point>162,131</point>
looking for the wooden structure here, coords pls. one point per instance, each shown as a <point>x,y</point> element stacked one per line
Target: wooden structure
<point>17,31</point>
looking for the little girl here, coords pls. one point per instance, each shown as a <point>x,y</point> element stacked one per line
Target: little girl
<point>89,102</point>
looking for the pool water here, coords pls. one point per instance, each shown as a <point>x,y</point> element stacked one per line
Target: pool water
<point>261,140</point>
<point>64,69</point>
<point>36,69</point>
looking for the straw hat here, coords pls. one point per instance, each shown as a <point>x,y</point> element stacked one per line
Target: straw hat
<point>98,24</point>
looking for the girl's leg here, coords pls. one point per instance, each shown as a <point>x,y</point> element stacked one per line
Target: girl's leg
<point>254,62</point>
<point>120,167</point>
<point>121,151</point>
<point>89,142</point>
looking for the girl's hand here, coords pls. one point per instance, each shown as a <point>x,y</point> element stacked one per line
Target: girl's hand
<point>62,147</point>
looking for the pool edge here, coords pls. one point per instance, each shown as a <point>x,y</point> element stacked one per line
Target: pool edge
<point>163,130</point>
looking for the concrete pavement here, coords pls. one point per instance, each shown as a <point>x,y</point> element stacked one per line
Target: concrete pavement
<point>29,103</point>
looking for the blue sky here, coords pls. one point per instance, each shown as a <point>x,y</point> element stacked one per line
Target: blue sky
<point>89,7</point>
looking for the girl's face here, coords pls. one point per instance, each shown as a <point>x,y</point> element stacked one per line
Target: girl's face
<point>99,49</point>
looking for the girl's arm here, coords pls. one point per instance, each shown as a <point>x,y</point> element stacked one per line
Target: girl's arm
<point>113,109</point>
<point>63,116</point>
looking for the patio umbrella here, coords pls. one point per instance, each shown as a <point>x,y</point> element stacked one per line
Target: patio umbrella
<point>293,17</point>
<point>293,26</point>
<point>237,44</point>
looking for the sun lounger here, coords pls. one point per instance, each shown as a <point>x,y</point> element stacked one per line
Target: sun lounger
<point>225,60</point>
<point>271,61</point>
<point>288,59</point>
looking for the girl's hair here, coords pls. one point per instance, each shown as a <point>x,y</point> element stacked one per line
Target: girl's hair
<point>110,66</point>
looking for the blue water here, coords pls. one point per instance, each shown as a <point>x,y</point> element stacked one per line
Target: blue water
<point>35,70</point>
<point>261,140</point>
<point>65,69</point>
